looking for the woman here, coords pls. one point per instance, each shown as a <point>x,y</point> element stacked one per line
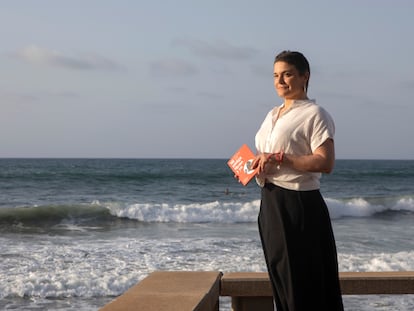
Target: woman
<point>295,145</point>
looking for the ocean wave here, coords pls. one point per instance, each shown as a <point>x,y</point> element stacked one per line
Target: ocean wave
<point>212,212</point>
<point>53,215</point>
<point>247,212</point>
<point>218,212</point>
<point>362,207</point>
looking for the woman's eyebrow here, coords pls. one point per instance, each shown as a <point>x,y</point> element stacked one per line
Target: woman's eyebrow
<point>278,73</point>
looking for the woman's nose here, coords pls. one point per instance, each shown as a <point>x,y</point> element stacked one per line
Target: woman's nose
<point>280,80</point>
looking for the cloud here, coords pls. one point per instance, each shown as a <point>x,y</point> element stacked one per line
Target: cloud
<point>28,98</point>
<point>11,98</point>
<point>210,95</point>
<point>36,55</point>
<point>218,50</point>
<point>173,67</point>
<point>407,84</point>
<point>263,71</point>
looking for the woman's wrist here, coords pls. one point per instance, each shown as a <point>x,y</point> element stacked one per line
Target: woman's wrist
<point>276,158</point>
<point>279,158</point>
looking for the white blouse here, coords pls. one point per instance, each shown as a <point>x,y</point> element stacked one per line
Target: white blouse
<point>300,131</point>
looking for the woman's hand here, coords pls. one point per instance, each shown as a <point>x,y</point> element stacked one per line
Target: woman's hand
<point>263,160</point>
<point>260,162</point>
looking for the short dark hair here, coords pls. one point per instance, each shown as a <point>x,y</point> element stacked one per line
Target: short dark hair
<point>296,59</point>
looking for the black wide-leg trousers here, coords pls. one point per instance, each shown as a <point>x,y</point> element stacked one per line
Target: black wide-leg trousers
<point>299,249</point>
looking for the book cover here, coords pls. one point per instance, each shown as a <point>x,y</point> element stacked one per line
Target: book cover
<point>240,164</point>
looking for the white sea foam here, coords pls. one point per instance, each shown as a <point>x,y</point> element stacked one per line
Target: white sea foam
<point>60,267</point>
<point>406,203</point>
<point>190,213</point>
<point>360,207</point>
<point>236,212</point>
<point>400,261</point>
<point>355,207</point>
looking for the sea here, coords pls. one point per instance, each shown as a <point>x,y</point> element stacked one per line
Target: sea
<point>77,233</point>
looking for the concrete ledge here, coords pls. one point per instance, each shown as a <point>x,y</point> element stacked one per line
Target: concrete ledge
<point>250,291</point>
<point>246,284</point>
<point>172,291</point>
<point>249,284</point>
<point>376,283</point>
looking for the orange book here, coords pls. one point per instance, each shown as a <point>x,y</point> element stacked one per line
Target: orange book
<point>240,164</point>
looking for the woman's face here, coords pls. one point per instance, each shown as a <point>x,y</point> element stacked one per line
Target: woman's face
<point>289,84</point>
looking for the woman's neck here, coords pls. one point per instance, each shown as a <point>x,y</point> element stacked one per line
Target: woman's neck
<point>289,102</point>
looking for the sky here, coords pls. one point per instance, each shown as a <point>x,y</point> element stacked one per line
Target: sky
<point>194,79</point>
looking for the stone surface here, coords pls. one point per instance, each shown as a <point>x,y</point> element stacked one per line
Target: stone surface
<point>172,291</point>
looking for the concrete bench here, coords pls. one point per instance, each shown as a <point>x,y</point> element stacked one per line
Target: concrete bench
<point>172,291</point>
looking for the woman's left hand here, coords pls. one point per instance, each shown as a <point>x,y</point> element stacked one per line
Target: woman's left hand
<point>264,159</point>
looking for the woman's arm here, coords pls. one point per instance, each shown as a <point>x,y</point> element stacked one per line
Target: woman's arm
<point>322,160</point>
